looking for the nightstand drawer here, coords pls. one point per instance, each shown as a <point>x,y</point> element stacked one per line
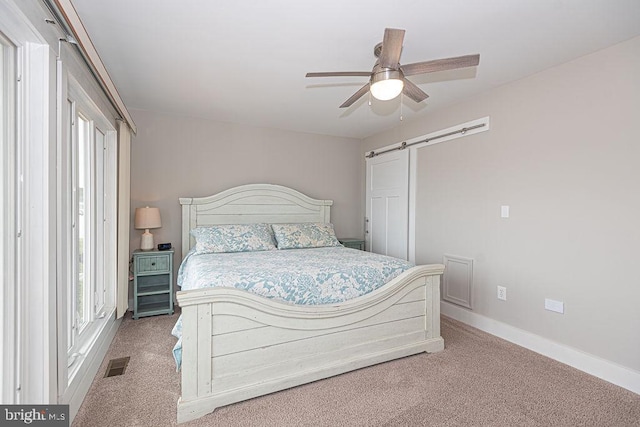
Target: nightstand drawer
<point>145,264</point>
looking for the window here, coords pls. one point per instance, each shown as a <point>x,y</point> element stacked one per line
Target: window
<point>57,261</point>
<point>90,224</point>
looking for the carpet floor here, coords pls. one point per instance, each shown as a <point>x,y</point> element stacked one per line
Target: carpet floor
<point>478,380</point>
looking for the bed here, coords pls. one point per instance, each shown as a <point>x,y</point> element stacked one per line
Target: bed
<point>237,345</point>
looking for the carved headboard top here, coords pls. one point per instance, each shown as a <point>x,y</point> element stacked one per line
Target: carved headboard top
<point>252,203</point>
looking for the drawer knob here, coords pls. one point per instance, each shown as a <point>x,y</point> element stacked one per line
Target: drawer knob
<point>153,263</point>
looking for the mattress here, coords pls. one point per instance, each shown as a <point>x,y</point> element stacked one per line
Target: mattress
<point>312,276</point>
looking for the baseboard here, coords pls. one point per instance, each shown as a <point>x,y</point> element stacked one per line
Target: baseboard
<point>609,371</point>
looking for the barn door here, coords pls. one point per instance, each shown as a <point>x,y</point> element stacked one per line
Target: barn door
<point>387,210</point>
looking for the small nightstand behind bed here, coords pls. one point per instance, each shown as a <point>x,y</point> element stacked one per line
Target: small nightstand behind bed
<point>152,283</point>
<point>352,243</point>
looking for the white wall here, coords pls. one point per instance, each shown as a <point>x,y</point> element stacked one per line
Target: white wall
<point>174,157</point>
<point>563,152</point>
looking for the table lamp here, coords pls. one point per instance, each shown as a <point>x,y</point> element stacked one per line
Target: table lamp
<point>145,219</point>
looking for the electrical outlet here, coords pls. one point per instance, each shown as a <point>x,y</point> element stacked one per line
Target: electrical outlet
<point>553,305</point>
<point>502,293</point>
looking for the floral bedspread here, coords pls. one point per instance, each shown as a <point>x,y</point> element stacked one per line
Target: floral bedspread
<point>310,276</point>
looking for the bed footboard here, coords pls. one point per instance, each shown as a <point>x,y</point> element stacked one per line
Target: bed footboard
<point>236,345</point>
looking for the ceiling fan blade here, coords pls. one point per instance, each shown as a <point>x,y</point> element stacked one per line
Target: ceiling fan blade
<point>440,65</point>
<point>341,74</point>
<point>391,48</point>
<point>364,89</point>
<point>413,91</point>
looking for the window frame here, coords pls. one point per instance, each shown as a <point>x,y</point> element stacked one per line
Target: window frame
<point>101,226</point>
<point>8,312</point>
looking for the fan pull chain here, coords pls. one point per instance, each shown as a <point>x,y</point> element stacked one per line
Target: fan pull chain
<point>369,98</point>
<point>401,99</point>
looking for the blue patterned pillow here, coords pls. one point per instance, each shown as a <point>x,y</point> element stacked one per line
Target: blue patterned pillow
<point>305,235</point>
<point>233,238</point>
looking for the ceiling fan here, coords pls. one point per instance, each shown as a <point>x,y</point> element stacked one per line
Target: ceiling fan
<point>388,78</point>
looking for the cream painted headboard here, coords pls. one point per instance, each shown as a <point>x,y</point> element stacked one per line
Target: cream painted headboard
<point>247,204</point>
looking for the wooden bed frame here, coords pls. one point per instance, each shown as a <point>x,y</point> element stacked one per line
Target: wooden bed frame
<point>236,345</point>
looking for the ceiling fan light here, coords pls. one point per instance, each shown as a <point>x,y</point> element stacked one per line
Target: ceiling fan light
<point>386,84</point>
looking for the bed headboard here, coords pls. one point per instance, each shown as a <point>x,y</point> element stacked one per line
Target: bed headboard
<point>249,204</point>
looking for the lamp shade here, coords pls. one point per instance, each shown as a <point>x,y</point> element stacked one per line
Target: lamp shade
<point>146,218</point>
<point>386,84</point>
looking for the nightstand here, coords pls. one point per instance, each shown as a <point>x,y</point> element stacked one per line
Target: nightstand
<point>152,283</point>
<point>352,243</point>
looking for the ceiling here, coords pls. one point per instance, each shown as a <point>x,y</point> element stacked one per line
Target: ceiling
<point>245,61</point>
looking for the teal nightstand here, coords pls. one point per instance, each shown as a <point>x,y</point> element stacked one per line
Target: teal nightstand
<point>152,283</point>
<point>352,243</point>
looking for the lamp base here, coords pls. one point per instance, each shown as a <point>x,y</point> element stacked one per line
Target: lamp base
<point>146,241</point>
